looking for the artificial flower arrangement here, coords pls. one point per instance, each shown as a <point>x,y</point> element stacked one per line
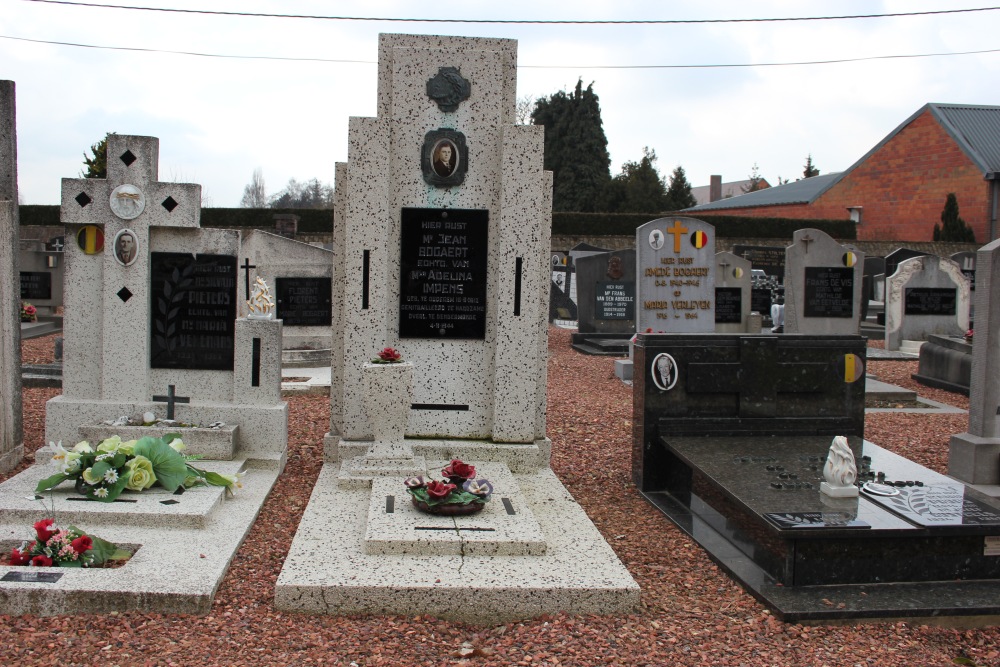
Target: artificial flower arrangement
<point>969,335</point>
<point>388,355</point>
<point>28,312</point>
<point>102,473</point>
<point>65,547</point>
<point>462,493</point>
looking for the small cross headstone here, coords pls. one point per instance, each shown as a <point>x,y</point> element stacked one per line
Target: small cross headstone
<point>170,399</point>
<point>806,239</point>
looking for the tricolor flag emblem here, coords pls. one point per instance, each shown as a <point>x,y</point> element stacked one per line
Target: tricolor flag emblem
<point>90,238</point>
<point>699,240</point>
<point>854,368</point>
<point>850,259</point>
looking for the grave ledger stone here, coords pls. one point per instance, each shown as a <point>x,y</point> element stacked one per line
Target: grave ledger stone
<point>926,295</point>
<point>974,456</point>
<point>441,234</point>
<point>822,285</point>
<point>11,448</point>
<point>675,276</point>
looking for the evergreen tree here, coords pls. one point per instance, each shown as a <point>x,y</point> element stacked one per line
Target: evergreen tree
<point>576,148</point>
<point>679,192</point>
<point>97,166</point>
<point>953,228</point>
<point>639,187</point>
<point>810,169</point>
<point>755,179</point>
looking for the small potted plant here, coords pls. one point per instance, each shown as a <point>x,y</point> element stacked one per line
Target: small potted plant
<point>459,493</point>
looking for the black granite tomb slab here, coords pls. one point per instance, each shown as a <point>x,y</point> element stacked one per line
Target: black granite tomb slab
<point>36,285</point>
<point>304,302</point>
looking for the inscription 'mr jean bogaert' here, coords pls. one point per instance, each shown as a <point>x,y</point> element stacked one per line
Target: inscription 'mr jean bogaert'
<point>443,255</point>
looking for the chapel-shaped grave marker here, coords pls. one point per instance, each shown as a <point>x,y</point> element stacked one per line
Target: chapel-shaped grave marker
<point>732,293</point>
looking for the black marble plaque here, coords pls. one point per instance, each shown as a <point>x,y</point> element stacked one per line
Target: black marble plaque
<point>930,301</point>
<point>303,302</point>
<point>34,577</point>
<point>770,259</point>
<point>192,311</point>
<point>728,305</point>
<point>36,285</point>
<point>829,291</point>
<point>760,301</point>
<point>796,520</point>
<point>614,300</point>
<point>939,505</point>
<point>442,257</point>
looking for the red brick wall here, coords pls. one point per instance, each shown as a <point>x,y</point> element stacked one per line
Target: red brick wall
<point>902,187</point>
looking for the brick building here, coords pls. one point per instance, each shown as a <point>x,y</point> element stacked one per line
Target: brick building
<point>898,189</point>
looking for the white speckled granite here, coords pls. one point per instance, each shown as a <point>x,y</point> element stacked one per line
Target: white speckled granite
<point>177,568</point>
<point>386,394</point>
<point>217,444</point>
<point>812,247</point>
<point>11,448</point>
<point>927,271</point>
<point>106,370</point>
<point>328,571</point>
<point>519,458</point>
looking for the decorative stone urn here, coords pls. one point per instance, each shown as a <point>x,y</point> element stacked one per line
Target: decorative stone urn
<point>388,389</point>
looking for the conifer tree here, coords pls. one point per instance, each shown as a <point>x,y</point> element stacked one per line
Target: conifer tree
<point>952,227</point>
<point>97,164</point>
<point>810,169</point>
<point>576,148</point>
<point>639,187</point>
<point>679,192</point>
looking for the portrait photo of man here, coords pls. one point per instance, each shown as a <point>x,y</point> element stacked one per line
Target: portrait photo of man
<point>445,158</point>
<point>126,247</point>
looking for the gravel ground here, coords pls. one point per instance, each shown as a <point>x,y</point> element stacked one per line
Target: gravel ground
<point>692,614</point>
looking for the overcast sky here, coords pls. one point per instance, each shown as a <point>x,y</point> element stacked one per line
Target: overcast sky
<point>219,118</point>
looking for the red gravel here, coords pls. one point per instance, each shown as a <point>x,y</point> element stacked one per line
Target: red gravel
<point>691,614</point>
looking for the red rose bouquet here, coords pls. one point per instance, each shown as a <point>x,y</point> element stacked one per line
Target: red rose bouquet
<point>65,547</point>
<point>461,489</point>
<point>388,355</point>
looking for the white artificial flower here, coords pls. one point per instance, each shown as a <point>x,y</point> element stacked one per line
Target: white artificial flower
<point>177,445</point>
<point>58,454</point>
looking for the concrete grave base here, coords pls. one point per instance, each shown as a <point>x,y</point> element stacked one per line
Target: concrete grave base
<point>184,549</point>
<point>351,556</point>
<point>974,459</point>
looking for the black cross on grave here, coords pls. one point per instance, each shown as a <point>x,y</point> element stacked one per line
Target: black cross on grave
<point>246,266</point>
<point>170,399</point>
<point>758,377</point>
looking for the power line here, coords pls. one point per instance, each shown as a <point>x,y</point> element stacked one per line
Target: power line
<point>372,62</point>
<point>515,21</point>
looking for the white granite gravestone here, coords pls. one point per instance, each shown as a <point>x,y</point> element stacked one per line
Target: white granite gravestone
<point>444,255</point>
<point>732,293</point>
<point>822,285</point>
<point>299,275</point>
<point>151,325</point>
<point>11,448</point>
<point>926,295</point>
<point>675,276</point>
<point>974,456</point>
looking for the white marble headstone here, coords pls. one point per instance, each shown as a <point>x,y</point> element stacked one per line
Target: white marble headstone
<point>822,285</point>
<point>675,276</point>
<point>926,295</point>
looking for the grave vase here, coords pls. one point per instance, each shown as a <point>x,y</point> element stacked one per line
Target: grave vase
<point>387,398</point>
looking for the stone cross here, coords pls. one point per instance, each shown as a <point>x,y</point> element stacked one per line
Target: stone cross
<point>678,232</point>
<point>129,201</point>
<point>11,448</point>
<point>807,240</point>
<point>246,266</point>
<point>170,399</point>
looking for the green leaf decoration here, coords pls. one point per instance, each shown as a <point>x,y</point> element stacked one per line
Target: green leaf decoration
<point>100,468</point>
<point>103,550</point>
<point>52,482</point>
<point>213,478</point>
<point>168,465</point>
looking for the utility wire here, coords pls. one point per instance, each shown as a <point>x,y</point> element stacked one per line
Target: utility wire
<point>515,21</point>
<point>372,62</point>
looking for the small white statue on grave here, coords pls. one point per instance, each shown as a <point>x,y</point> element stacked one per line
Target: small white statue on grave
<point>260,303</point>
<point>840,471</point>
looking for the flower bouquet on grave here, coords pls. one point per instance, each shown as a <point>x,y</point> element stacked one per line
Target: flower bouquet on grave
<point>104,472</point>
<point>969,335</point>
<point>28,312</point>
<point>65,547</point>
<point>462,493</point>
<point>388,355</point>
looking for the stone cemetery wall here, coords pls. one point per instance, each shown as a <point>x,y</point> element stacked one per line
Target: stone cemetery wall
<point>675,276</point>
<point>606,292</point>
<point>300,278</point>
<point>823,281</point>
<point>732,293</point>
<point>11,449</point>
<point>926,295</point>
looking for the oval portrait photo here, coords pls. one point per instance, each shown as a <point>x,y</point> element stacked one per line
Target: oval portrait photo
<point>126,247</point>
<point>444,158</point>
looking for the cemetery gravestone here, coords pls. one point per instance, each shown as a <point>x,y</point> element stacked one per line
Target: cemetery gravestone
<point>11,448</point>
<point>822,285</point>
<point>445,257</point>
<point>606,292</point>
<point>675,276</point>
<point>967,262</point>
<point>769,259</point>
<point>974,456</point>
<point>732,293</point>
<point>893,259</point>
<point>926,295</point>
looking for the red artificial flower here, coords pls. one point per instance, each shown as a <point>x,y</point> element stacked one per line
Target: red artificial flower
<point>44,530</point>
<point>41,561</point>
<point>389,354</point>
<point>438,490</point>
<point>18,558</point>
<point>649,329</point>
<point>81,544</point>
<point>459,469</point>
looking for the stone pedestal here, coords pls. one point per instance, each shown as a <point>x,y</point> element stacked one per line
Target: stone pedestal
<point>387,396</point>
